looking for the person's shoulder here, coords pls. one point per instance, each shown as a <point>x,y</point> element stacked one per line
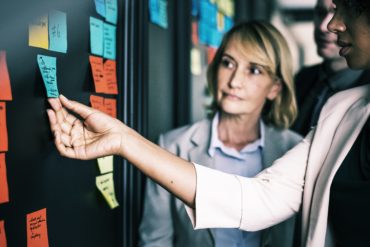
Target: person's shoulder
<point>342,100</point>
<point>282,135</point>
<point>185,132</point>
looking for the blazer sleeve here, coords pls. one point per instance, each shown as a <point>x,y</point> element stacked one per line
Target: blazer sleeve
<point>156,227</point>
<point>251,204</point>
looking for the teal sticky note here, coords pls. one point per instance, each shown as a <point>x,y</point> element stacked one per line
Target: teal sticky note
<point>109,34</point>
<point>162,13</point>
<point>57,31</point>
<point>48,69</point>
<point>111,11</point>
<point>100,7</point>
<point>96,36</point>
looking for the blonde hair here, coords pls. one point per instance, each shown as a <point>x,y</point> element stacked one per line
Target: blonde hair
<point>265,44</point>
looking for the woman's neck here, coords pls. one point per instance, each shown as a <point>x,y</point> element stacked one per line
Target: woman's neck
<point>238,131</point>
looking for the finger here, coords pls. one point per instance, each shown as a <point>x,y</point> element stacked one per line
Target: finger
<point>62,149</point>
<point>81,109</point>
<point>55,104</point>
<point>53,120</point>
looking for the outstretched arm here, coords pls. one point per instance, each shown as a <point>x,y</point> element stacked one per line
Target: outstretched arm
<point>98,134</point>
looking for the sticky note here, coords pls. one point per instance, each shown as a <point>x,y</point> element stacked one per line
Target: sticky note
<point>105,185</point>
<point>2,234</point>
<point>110,106</point>
<point>106,105</point>
<point>96,36</point>
<point>37,232</point>
<point>5,88</point>
<point>38,33</point>
<point>3,128</point>
<point>4,192</point>
<point>105,164</point>
<point>57,31</point>
<point>97,68</point>
<point>194,33</point>
<point>196,65</point>
<point>110,75</point>
<point>48,69</point>
<point>100,7</point>
<point>109,34</point>
<point>111,11</point>
<point>97,102</point>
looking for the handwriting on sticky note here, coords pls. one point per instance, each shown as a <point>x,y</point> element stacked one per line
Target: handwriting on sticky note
<point>38,33</point>
<point>110,106</point>
<point>97,69</point>
<point>105,185</point>
<point>105,164</point>
<point>4,192</point>
<point>96,36</point>
<point>109,37</point>
<point>37,232</point>
<point>48,69</point>
<point>110,75</point>
<point>2,234</point>
<point>5,88</point>
<point>111,11</point>
<point>58,31</point>
<point>3,128</point>
<point>106,105</point>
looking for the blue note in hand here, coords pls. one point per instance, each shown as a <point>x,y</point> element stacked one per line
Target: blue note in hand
<point>48,69</point>
<point>58,31</point>
<point>96,36</point>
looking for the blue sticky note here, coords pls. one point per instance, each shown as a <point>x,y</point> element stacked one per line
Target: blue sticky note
<point>57,31</point>
<point>48,69</point>
<point>111,11</point>
<point>96,36</point>
<point>100,7</point>
<point>162,13</point>
<point>109,34</point>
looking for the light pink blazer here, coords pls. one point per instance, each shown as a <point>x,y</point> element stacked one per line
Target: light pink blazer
<point>302,176</point>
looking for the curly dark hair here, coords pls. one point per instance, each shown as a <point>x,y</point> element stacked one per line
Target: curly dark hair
<point>358,7</point>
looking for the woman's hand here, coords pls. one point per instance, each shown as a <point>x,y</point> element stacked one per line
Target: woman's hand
<point>95,135</point>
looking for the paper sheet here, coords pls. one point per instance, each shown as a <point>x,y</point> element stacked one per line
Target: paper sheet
<point>105,164</point>
<point>3,128</point>
<point>5,88</point>
<point>111,11</point>
<point>38,33</point>
<point>100,7</point>
<point>96,36</point>
<point>58,31</point>
<point>4,192</point>
<point>37,232</point>
<point>105,185</point>
<point>2,234</point>
<point>48,69</point>
<point>110,75</point>
<point>109,36</point>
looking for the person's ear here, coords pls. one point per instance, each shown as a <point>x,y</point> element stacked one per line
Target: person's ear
<point>275,89</point>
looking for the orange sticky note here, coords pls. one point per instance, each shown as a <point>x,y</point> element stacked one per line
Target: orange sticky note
<point>111,107</point>
<point>97,69</point>
<point>3,128</point>
<point>2,234</point>
<point>194,33</point>
<point>5,89</point>
<point>110,74</point>
<point>37,232</point>
<point>211,52</point>
<point>4,192</point>
<point>97,102</point>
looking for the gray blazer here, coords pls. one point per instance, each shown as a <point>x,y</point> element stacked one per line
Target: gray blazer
<point>165,221</point>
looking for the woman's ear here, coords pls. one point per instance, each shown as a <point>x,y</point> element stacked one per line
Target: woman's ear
<point>275,89</point>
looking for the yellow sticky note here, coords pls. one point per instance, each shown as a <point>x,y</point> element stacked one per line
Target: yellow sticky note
<point>196,63</point>
<point>38,34</point>
<point>106,164</point>
<point>106,186</point>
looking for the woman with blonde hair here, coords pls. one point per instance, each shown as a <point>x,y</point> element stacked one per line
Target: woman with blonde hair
<point>253,105</point>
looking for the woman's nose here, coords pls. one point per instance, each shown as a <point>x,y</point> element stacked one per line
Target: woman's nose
<point>336,24</point>
<point>236,79</point>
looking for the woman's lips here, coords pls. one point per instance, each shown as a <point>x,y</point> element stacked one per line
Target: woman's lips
<point>232,96</point>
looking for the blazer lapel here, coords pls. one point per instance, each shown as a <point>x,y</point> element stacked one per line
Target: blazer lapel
<point>345,135</point>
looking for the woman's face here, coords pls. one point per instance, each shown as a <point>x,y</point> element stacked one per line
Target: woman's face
<point>353,36</point>
<point>243,86</point>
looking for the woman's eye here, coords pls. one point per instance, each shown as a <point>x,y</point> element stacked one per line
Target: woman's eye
<point>227,63</point>
<point>255,71</point>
